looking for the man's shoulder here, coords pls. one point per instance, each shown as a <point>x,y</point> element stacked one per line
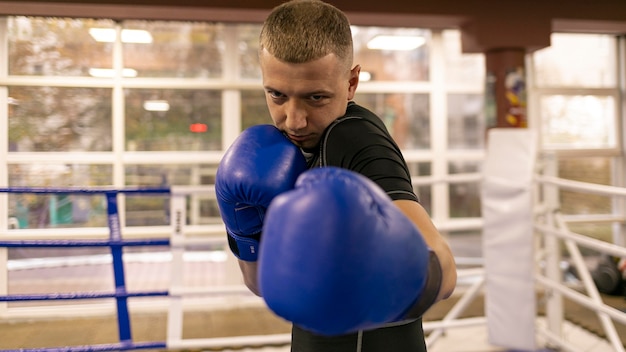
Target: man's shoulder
<point>358,117</point>
<point>359,111</point>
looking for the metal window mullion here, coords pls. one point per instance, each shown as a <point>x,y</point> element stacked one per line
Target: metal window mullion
<point>575,91</point>
<point>61,81</point>
<point>117,121</point>
<point>395,87</point>
<point>231,98</point>
<point>4,151</point>
<point>439,130</point>
<point>231,118</point>
<point>618,205</point>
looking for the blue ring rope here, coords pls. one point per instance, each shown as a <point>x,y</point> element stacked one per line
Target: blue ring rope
<point>79,295</point>
<point>77,190</point>
<point>85,243</point>
<point>123,346</point>
<point>116,244</point>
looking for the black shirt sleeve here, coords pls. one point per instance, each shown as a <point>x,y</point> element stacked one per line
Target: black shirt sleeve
<point>361,146</point>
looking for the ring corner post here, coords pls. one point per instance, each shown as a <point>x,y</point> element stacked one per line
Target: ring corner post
<point>121,297</point>
<point>508,240</point>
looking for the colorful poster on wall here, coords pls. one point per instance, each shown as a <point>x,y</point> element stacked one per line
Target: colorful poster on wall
<point>515,85</point>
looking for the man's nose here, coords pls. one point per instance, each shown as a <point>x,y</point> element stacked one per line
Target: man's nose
<point>296,116</point>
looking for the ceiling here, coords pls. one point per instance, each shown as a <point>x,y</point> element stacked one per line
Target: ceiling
<point>485,24</point>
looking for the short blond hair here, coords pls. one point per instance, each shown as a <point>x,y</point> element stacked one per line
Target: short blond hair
<point>300,31</point>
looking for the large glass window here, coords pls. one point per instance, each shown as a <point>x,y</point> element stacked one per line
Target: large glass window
<point>577,104</point>
<point>254,108</point>
<point>466,123</point>
<point>462,69</point>
<point>190,66</point>
<point>29,211</point>
<point>407,116</point>
<point>593,169</point>
<point>173,49</point>
<point>154,210</point>
<point>57,119</point>
<point>392,54</point>
<point>577,60</point>
<point>248,50</point>
<point>57,46</point>
<point>154,103</point>
<point>577,95</point>
<point>578,121</point>
<point>464,196</point>
<point>173,120</point>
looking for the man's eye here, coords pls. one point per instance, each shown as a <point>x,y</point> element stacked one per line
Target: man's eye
<point>317,97</point>
<point>275,94</point>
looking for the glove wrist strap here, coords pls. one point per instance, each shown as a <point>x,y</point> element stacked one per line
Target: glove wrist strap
<point>429,294</point>
<point>245,248</point>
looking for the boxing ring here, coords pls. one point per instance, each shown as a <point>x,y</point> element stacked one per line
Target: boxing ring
<point>116,244</point>
<point>553,226</point>
<point>543,235</point>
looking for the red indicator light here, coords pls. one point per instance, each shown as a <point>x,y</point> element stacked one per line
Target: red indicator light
<point>198,127</point>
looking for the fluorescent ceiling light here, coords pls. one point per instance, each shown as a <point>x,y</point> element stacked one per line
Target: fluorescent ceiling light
<point>156,105</point>
<point>110,73</point>
<point>107,35</point>
<point>396,42</point>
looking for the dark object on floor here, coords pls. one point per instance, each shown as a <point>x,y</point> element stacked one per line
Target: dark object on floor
<point>607,277</point>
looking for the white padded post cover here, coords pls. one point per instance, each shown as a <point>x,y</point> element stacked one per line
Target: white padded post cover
<point>508,237</point>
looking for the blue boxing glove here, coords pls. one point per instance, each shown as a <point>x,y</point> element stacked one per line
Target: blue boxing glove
<point>260,164</point>
<point>338,256</point>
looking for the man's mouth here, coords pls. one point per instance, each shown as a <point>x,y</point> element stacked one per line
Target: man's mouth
<point>297,139</point>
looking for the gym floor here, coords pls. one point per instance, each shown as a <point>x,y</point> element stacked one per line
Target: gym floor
<point>252,319</point>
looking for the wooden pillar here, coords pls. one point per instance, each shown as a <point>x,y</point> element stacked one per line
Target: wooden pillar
<point>505,38</point>
<point>505,90</point>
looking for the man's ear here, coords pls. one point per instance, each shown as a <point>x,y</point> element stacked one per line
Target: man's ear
<point>353,81</point>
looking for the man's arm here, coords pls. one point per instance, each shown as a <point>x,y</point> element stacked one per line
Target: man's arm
<point>421,219</point>
<point>414,211</point>
<point>260,164</point>
<point>249,272</point>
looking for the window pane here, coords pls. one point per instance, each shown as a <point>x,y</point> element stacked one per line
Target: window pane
<point>464,197</point>
<point>154,210</point>
<point>464,167</point>
<point>254,109</point>
<point>52,119</point>
<point>462,69</point>
<point>578,121</point>
<point>56,46</point>
<point>596,170</point>
<point>170,175</point>
<point>423,192</point>
<point>249,50</point>
<point>408,62</point>
<point>29,211</point>
<point>407,116</point>
<point>174,49</point>
<point>467,244</point>
<point>466,126</point>
<point>173,120</point>
<point>577,60</point>
<point>465,200</point>
<point>419,168</point>
<point>425,196</point>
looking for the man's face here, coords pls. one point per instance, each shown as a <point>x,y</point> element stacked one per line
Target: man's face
<point>304,99</point>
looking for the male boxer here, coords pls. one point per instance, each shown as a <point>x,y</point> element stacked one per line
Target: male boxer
<point>309,79</point>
